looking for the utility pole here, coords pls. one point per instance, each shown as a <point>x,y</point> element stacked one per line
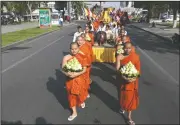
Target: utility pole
<point>70,8</point>
<point>83,11</point>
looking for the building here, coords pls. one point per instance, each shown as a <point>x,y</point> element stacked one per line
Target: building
<point>51,5</point>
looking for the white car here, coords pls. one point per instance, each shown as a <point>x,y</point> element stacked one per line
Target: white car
<point>170,18</point>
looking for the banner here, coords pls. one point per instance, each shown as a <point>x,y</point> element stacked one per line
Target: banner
<point>44,17</point>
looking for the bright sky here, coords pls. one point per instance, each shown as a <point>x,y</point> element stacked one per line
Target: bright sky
<point>107,4</point>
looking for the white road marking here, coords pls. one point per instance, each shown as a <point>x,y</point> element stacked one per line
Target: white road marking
<point>24,59</point>
<point>156,64</point>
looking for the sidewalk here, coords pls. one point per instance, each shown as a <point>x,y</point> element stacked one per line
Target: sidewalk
<point>12,28</point>
<point>163,32</point>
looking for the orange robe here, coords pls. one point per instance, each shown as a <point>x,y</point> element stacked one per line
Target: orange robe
<point>85,48</point>
<point>76,87</point>
<point>96,25</point>
<point>129,99</point>
<point>127,39</point>
<point>90,50</point>
<point>92,38</point>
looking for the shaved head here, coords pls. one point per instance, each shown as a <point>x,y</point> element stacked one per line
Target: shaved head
<point>73,44</point>
<point>128,44</point>
<point>127,48</point>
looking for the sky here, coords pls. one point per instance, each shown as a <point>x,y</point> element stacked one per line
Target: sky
<point>107,4</point>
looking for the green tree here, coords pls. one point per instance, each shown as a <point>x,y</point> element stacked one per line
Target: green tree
<point>174,5</point>
<point>78,7</point>
<point>20,7</point>
<point>32,5</point>
<point>158,7</point>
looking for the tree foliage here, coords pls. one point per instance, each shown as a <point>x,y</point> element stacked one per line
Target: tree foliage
<point>20,7</point>
<point>154,8</point>
<point>78,7</point>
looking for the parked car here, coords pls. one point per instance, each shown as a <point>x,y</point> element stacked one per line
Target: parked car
<point>170,18</point>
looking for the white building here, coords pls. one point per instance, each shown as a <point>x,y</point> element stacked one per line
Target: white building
<point>51,5</point>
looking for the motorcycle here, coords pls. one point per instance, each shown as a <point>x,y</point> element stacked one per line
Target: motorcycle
<point>175,38</point>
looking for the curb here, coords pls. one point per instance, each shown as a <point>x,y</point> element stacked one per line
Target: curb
<point>26,40</point>
<point>167,39</point>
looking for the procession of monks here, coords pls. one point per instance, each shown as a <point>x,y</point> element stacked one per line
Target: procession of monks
<point>78,83</point>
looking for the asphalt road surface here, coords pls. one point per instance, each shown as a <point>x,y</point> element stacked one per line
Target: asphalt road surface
<point>33,85</point>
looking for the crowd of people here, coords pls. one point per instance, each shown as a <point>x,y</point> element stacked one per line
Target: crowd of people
<point>78,83</point>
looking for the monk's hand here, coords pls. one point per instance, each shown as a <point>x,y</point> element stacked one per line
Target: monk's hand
<point>69,74</point>
<point>132,80</point>
<point>73,75</point>
<point>121,57</point>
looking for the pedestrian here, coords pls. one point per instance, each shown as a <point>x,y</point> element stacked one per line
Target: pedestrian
<point>123,28</point>
<point>114,30</point>
<point>86,49</point>
<point>61,21</point>
<point>78,33</point>
<point>69,19</point>
<point>109,33</point>
<point>102,27</point>
<point>89,36</point>
<point>128,89</point>
<point>75,84</point>
<point>122,38</point>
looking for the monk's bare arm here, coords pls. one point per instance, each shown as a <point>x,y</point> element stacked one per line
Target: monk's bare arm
<point>138,64</point>
<point>118,64</point>
<point>63,64</point>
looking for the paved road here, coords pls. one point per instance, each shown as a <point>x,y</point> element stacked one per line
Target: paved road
<point>160,30</point>
<point>12,28</point>
<point>33,91</point>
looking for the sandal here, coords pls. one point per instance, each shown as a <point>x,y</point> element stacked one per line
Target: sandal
<point>131,122</point>
<point>121,111</point>
<point>70,118</point>
<point>83,105</point>
<point>88,96</point>
<point>90,81</point>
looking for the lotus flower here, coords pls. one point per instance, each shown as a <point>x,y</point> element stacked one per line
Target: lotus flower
<point>73,65</point>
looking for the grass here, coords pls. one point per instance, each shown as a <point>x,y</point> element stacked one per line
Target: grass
<point>11,37</point>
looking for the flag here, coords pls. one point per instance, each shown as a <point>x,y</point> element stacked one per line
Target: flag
<point>85,12</point>
<point>89,13</point>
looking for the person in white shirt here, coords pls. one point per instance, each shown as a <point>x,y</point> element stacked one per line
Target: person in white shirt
<point>109,33</point>
<point>118,28</point>
<point>90,24</point>
<point>123,28</point>
<point>114,31</point>
<point>102,27</point>
<point>78,33</point>
<point>61,21</point>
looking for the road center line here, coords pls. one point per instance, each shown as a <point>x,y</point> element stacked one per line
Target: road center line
<point>24,59</point>
<point>156,64</point>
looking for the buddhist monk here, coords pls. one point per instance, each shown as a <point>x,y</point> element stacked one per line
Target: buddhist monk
<point>89,36</point>
<point>85,48</point>
<point>96,25</point>
<point>122,38</point>
<point>129,99</point>
<point>89,45</point>
<point>76,82</point>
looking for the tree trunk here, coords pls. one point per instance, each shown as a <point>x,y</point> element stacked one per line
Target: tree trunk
<point>79,18</point>
<point>30,10</point>
<point>149,15</point>
<point>175,12</point>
